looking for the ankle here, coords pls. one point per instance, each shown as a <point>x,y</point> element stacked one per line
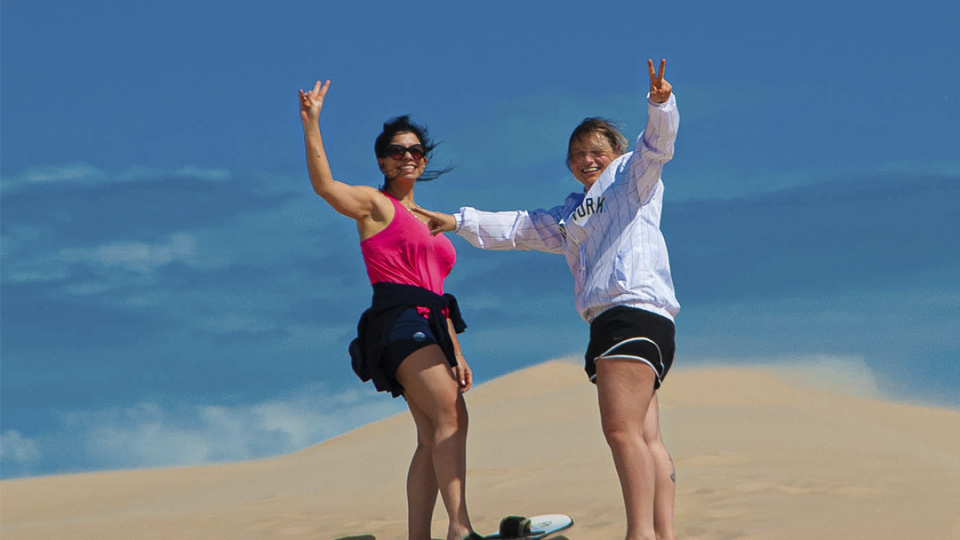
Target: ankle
<point>458,532</point>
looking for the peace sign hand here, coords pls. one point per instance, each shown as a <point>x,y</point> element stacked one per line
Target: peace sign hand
<point>660,89</point>
<point>311,102</point>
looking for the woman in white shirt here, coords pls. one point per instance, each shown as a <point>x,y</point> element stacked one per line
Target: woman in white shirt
<point>610,236</point>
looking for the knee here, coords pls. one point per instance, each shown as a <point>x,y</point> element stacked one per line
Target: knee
<point>619,434</point>
<point>452,416</point>
<point>652,438</point>
<point>424,450</point>
<point>425,436</point>
<point>655,443</point>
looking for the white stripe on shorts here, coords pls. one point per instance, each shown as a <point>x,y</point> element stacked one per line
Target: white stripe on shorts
<point>628,357</point>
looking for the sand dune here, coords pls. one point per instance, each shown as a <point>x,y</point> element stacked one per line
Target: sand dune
<point>759,456</point>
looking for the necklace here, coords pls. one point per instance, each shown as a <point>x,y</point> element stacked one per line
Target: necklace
<point>410,208</point>
<point>416,215</point>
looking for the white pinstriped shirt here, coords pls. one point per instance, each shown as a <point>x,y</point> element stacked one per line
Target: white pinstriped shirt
<point>610,235</point>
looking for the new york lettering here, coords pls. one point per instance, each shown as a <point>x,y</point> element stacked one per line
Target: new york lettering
<point>589,207</point>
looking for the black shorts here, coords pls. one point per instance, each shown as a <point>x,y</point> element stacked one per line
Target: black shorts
<point>410,333</point>
<point>625,332</point>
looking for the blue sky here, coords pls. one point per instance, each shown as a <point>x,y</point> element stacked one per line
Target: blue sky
<point>174,293</point>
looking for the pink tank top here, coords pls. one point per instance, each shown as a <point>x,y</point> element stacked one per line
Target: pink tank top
<point>406,253</point>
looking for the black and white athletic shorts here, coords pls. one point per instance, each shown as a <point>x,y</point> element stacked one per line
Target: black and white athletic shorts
<point>625,332</point>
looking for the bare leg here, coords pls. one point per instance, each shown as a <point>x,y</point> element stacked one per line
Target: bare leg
<point>421,479</point>
<point>666,487</point>
<point>429,384</point>
<point>625,388</point>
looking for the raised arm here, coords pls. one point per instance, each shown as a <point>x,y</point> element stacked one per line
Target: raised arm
<point>655,144</point>
<point>355,202</point>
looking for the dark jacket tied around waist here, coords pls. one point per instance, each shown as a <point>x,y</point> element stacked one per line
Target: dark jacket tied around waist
<point>389,301</point>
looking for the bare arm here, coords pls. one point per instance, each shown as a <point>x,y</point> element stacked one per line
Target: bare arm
<point>357,202</point>
<point>462,371</point>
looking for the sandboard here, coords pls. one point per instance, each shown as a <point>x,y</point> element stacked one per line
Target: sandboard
<point>532,528</point>
<point>514,528</point>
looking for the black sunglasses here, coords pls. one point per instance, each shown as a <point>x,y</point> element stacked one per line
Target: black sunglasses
<point>396,151</point>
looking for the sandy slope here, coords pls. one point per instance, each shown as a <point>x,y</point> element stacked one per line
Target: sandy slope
<point>759,456</point>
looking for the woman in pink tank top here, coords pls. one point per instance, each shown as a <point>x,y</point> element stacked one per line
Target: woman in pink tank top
<point>407,340</point>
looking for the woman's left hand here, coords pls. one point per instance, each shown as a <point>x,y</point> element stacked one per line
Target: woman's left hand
<point>463,374</point>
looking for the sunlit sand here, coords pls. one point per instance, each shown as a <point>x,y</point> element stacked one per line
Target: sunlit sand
<point>759,455</point>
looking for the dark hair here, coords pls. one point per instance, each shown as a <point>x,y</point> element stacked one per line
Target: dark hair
<point>402,124</point>
<point>605,128</point>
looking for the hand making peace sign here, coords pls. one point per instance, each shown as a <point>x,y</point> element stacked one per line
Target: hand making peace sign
<point>660,89</point>
<point>312,102</point>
